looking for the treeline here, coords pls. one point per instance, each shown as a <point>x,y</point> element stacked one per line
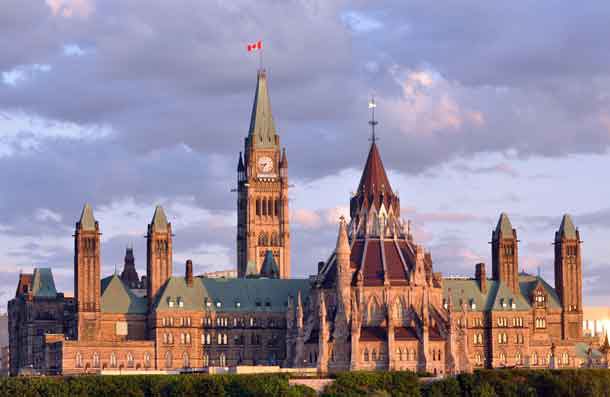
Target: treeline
<point>486,383</point>
<point>154,386</point>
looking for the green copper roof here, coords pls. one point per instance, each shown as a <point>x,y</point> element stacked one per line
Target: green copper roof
<point>498,296</point>
<point>117,298</point>
<point>159,220</point>
<point>504,226</point>
<point>43,285</point>
<point>567,229</point>
<point>270,268</point>
<point>262,127</point>
<point>232,295</point>
<point>87,221</point>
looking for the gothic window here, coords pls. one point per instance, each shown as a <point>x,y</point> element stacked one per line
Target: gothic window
<point>277,207</point>
<point>258,207</point>
<point>270,207</point>
<point>147,360</point>
<point>222,360</point>
<point>502,358</point>
<point>220,339</point>
<point>540,299</point>
<point>185,360</point>
<point>565,359</point>
<point>535,358</point>
<point>96,360</point>
<point>478,360</point>
<point>168,359</point>
<point>412,355</point>
<point>79,360</point>
<point>366,354</point>
<point>374,355</point>
<point>540,322</point>
<point>518,359</point>
<point>113,360</point>
<point>275,241</point>
<point>399,353</point>
<point>265,207</point>
<point>130,361</point>
<point>206,360</point>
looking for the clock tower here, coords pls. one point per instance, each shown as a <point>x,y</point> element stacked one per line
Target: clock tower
<point>262,193</point>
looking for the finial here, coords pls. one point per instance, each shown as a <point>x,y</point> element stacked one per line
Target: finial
<point>372,122</point>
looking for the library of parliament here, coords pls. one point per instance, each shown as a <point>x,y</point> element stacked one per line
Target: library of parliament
<point>375,303</point>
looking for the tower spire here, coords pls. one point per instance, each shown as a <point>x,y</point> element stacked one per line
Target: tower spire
<point>262,127</point>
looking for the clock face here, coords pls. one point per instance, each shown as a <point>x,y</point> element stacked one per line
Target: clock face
<point>265,164</point>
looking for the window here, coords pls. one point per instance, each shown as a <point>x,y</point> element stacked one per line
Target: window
<point>79,360</point>
<point>518,359</point>
<point>565,359</point>
<point>222,360</point>
<point>219,339</point>
<point>147,360</point>
<point>535,358</point>
<point>502,338</point>
<point>206,360</point>
<point>502,358</point>
<point>113,360</point>
<point>478,360</point>
<point>374,355</point>
<point>168,359</point>
<point>219,304</point>
<point>96,360</point>
<point>519,339</point>
<point>412,355</point>
<point>130,361</point>
<point>182,338</point>
<point>399,354</point>
<point>258,207</point>
<point>445,304</point>
<point>185,360</point>
<point>540,322</point>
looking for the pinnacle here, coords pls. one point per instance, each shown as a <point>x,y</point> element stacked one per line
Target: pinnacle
<point>87,221</point>
<point>342,239</point>
<point>159,220</point>
<point>567,228</point>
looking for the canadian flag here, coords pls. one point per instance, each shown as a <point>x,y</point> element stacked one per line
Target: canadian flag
<point>255,46</point>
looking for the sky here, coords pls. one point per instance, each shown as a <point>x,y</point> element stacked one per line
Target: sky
<point>483,107</point>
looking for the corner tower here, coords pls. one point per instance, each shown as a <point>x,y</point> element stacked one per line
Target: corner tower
<point>568,277</point>
<point>262,191</point>
<point>87,267</point>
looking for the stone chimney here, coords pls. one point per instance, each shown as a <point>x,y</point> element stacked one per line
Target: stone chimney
<point>189,272</point>
<point>481,277</point>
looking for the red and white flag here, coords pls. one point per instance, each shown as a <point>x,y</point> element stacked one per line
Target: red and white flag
<point>255,46</point>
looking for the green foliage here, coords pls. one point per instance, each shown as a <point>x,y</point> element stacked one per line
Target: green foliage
<point>359,384</point>
<point>154,386</point>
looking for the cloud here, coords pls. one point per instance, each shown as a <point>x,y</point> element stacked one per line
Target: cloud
<point>71,8</point>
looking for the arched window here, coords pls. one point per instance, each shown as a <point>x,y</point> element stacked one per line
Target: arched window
<point>224,339</point>
<point>366,354</point>
<point>277,207</point>
<point>113,360</point>
<point>96,360</point>
<point>374,355</point>
<point>185,360</point>
<point>565,358</point>
<point>206,360</point>
<point>258,207</point>
<point>535,358</point>
<point>168,359</point>
<point>478,359</point>
<point>147,360</point>
<point>270,207</point>
<point>130,362</point>
<point>412,355</point>
<point>264,207</point>
<point>222,360</point>
<point>79,360</point>
<point>182,338</point>
<point>439,355</point>
<point>400,355</point>
<point>219,337</point>
<point>188,338</point>
<point>502,358</point>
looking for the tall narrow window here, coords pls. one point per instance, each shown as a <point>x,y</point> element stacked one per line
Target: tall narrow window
<point>270,207</point>
<point>168,359</point>
<point>96,360</point>
<point>113,360</point>
<point>277,207</point>
<point>222,360</point>
<point>258,207</point>
<point>147,360</point>
<point>264,207</point>
<point>79,360</point>
<point>185,360</point>
<point>130,361</point>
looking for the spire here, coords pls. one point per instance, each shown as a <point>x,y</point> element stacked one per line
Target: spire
<point>240,164</point>
<point>504,226</point>
<point>373,122</point>
<point>567,229</point>
<point>374,178</point>
<point>159,220</point>
<point>87,221</point>
<point>284,160</point>
<point>342,240</point>
<point>262,127</point>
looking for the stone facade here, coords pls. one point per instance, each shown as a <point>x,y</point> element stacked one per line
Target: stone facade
<point>376,303</point>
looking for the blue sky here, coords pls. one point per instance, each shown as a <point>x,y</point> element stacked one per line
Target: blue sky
<point>483,108</point>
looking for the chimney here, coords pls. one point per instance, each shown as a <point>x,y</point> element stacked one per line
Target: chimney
<point>481,277</point>
<point>189,272</point>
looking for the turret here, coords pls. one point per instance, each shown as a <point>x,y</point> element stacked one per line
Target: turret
<point>159,254</point>
<point>568,277</point>
<point>505,255</point>
<point>87,277</point>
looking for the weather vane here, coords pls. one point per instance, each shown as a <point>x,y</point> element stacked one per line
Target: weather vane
<point>372,122</point>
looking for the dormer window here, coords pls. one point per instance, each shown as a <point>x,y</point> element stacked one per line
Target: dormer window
<point>208,303</point>
<point>170,302</point>
<point>237,304</point>
<point>180,302</point>
<point>540,299</point>
<point>503,302</point>
<point>218,304</point>
<point>513,305</point>
<point>473,305</point>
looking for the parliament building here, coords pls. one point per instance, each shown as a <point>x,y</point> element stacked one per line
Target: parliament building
<point>375,303</point>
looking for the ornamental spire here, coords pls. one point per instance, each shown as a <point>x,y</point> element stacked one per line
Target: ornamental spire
<point>262,127</point>
<point>372,121</point>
